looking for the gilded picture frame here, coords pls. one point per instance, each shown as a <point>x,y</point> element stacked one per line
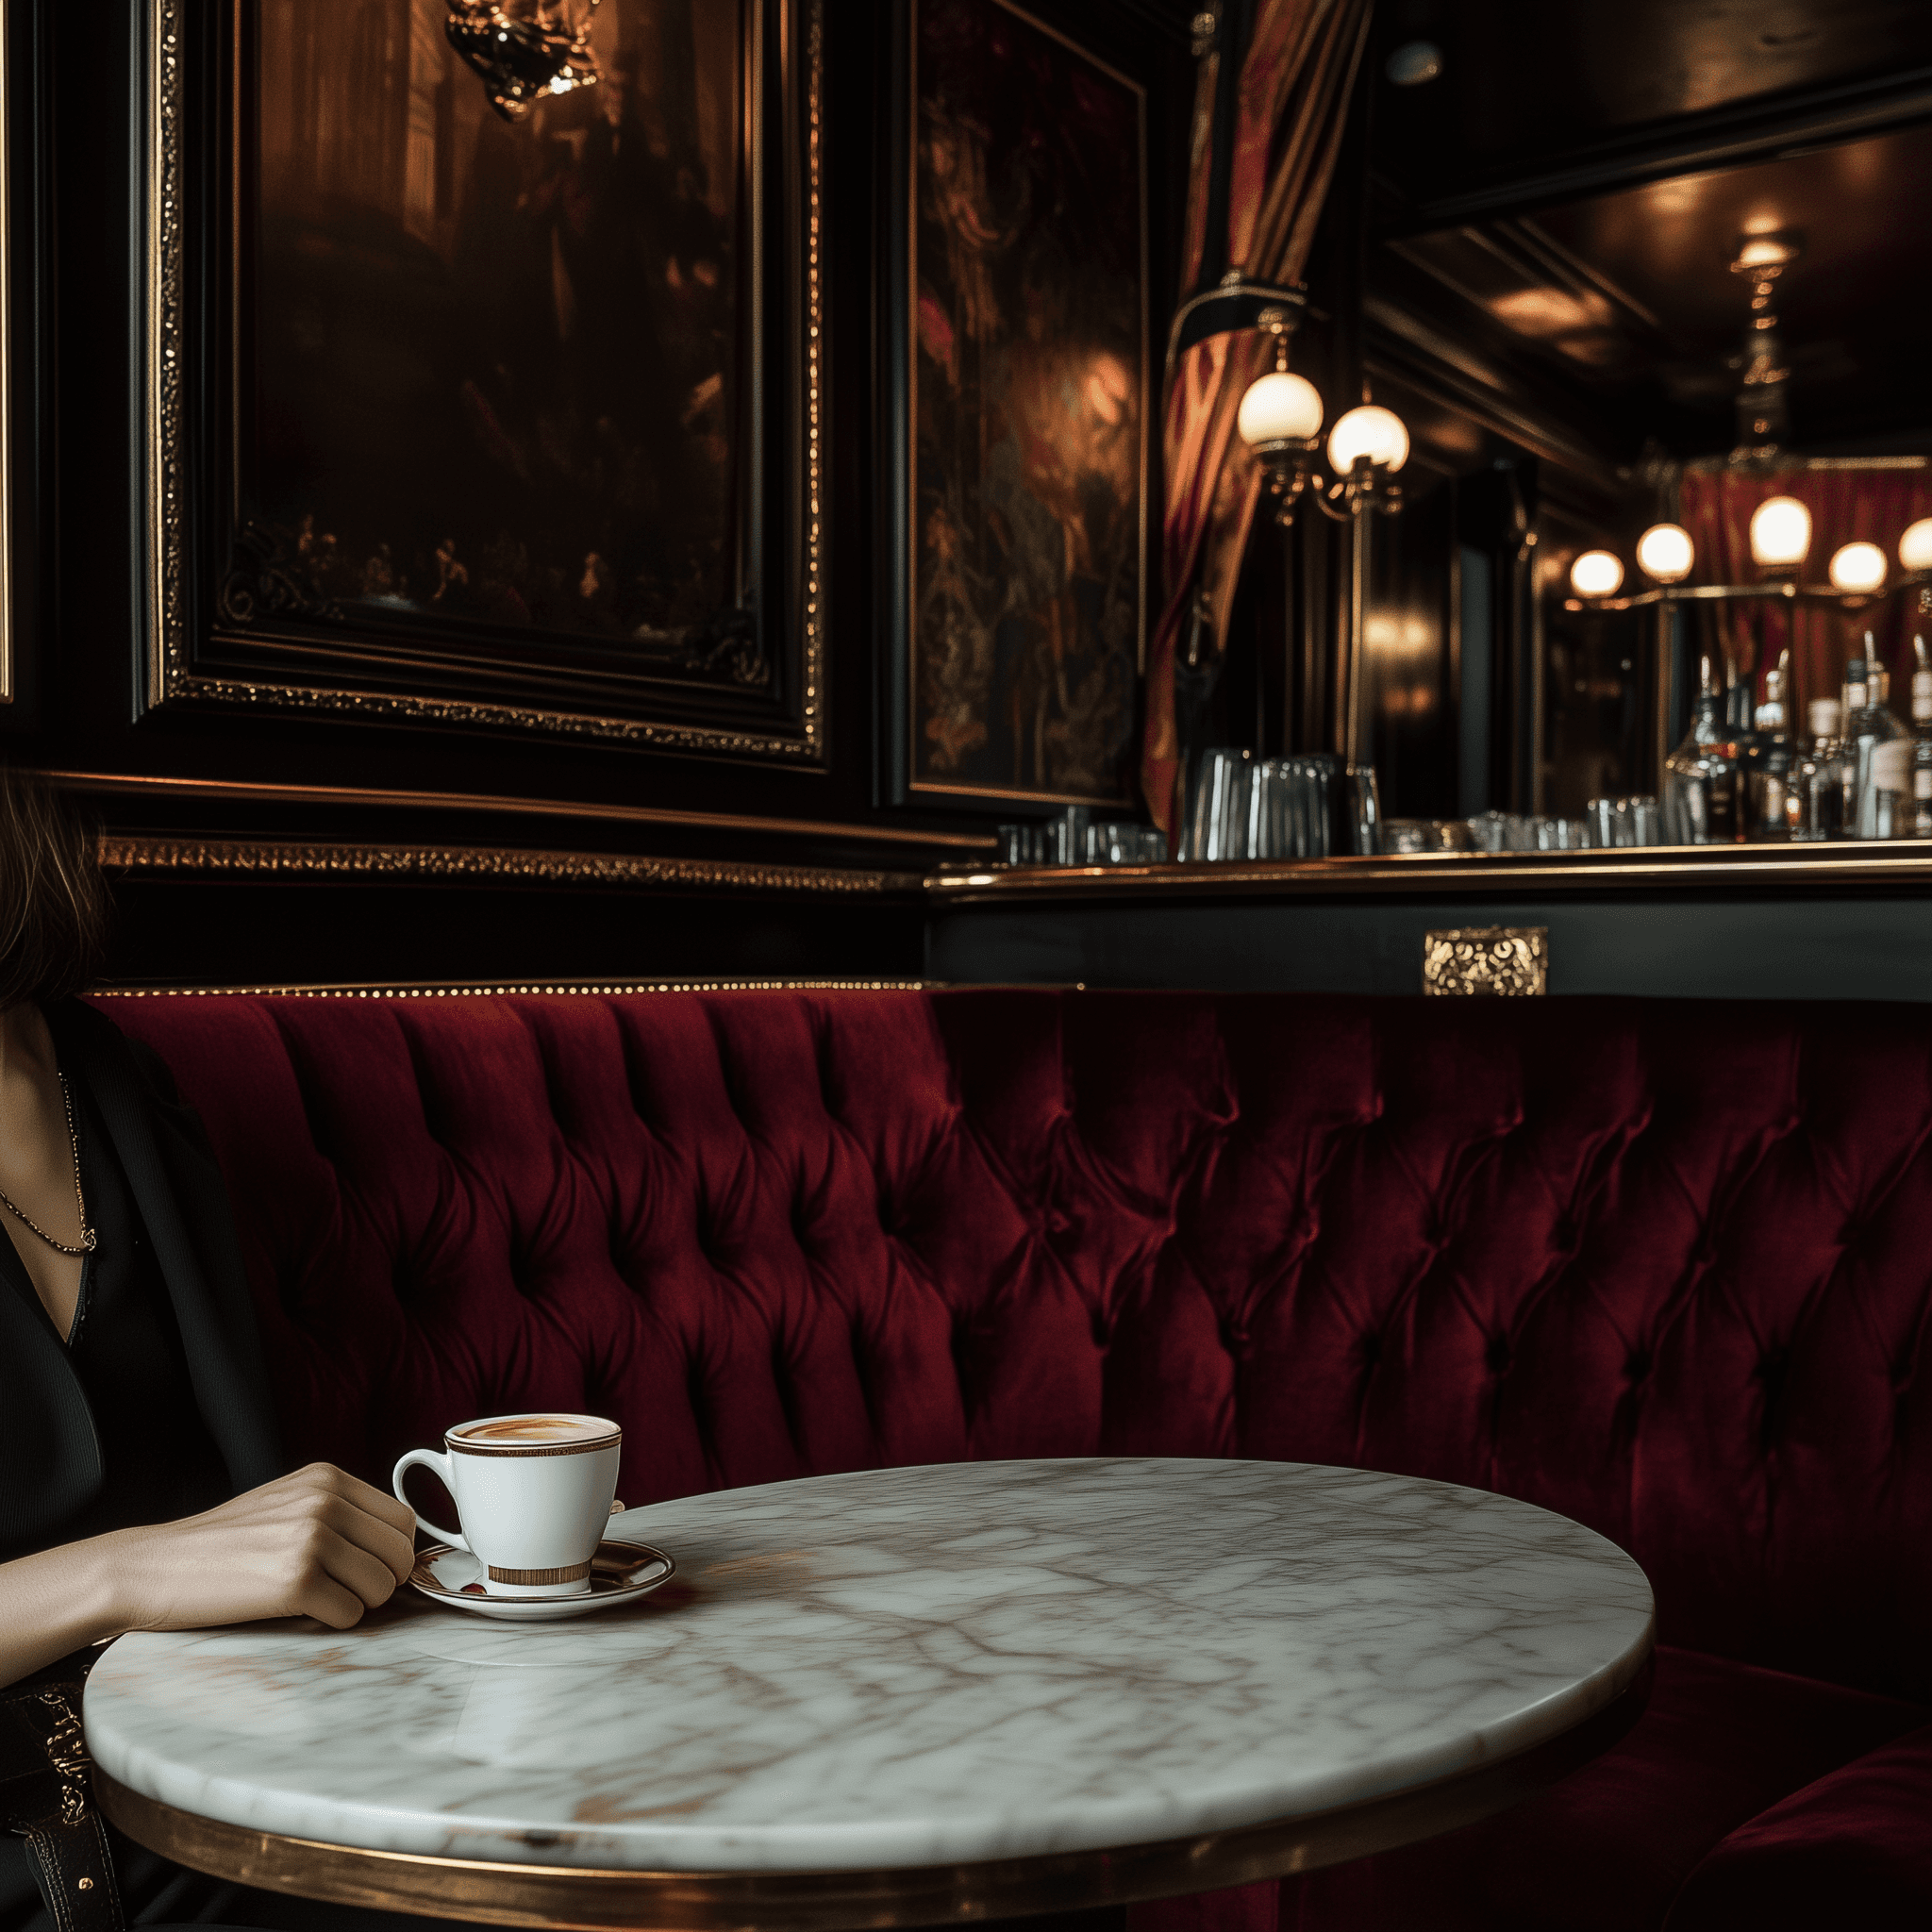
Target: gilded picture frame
<point>9,573</point>
<point>234,617</point>
<point>1024,402</point>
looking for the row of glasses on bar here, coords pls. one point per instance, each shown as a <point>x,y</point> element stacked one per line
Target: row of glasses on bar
<point>1605,822</point>
<point>1076,837</point>
<point>1302,806</point>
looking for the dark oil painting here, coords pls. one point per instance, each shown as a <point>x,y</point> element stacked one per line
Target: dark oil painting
<point>1028,410</point>
<point>494,380</point>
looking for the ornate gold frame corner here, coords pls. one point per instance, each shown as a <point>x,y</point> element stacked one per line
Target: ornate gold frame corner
<point>170,677</point>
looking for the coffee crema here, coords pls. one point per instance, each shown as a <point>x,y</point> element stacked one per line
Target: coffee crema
<point>533,1428</point>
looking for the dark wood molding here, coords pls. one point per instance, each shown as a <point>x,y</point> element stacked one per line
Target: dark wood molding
<point>242,792</point>
<point>1728,137</point>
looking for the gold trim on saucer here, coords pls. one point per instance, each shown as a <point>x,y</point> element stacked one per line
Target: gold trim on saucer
<point>617,1569</point>
<point>591,1899</point>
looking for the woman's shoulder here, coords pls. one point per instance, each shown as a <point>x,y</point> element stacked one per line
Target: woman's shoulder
<point>90,1044</point>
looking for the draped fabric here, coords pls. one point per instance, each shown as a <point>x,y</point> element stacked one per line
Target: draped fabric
<point>1846,505</point>
<point>1291,102</point>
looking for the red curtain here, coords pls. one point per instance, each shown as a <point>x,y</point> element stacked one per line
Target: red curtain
<point>1293,100</point>
<point>1846,505</point>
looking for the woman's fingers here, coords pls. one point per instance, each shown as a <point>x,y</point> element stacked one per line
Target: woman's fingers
<point>383,1540</point>
<point>379,1504</point>
<point>371,1581</point>
<point>331,1603</point>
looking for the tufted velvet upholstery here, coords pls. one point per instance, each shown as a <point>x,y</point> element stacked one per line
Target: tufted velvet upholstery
<point>1665,1267</point>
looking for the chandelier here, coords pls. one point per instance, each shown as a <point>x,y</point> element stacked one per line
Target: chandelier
<point>1780,534</point>
<point>522,50</point>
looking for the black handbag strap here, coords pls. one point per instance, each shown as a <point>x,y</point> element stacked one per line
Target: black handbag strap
<point>45,1799</point>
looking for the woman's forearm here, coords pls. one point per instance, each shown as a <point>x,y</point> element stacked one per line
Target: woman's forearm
<point>58,1601</point>
<point>318,1543</point>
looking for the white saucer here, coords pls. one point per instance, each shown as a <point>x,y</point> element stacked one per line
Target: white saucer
<point>620,1573</point>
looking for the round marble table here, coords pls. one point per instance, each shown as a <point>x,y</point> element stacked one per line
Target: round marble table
<point>903,1696</point>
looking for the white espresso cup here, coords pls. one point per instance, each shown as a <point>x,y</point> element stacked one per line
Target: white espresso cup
<point>534,1493</point>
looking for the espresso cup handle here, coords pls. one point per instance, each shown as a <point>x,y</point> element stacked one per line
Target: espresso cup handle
<point>429,1459</point>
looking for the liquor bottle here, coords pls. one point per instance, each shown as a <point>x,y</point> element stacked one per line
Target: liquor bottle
<point>1816,798</point>
<point>1700,801</point>
<point>1765,757</point>
<point>1921,827</point>
<point>1878,752</point>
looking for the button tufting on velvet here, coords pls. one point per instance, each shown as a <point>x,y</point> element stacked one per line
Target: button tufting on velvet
<point>795,1232</point>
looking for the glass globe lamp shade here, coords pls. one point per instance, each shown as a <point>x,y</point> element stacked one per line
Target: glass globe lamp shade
<point>1915,546</point>
<point>1596,574</point>
<point>1780,533</point>
<point>1857,567</point>
<point>1665,553</point>
<point>1278,407</point>
<point>1368,431</point>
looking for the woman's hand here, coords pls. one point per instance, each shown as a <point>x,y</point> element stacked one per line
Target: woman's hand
<point>319,1543</point>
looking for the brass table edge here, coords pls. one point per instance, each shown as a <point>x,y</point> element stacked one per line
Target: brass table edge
<point>596,1899</point>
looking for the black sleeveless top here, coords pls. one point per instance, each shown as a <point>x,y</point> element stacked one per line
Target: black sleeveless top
<point>125,1354</point>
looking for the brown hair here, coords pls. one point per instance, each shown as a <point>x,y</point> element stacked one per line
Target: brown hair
<point>52,900</point>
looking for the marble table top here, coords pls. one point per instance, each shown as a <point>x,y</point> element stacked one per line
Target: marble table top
<point>911,1667</point>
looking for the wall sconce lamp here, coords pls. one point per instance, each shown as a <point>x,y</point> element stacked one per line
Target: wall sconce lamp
<point>1280,419</point>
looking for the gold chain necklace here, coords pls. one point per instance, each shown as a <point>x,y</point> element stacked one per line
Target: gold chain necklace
<point>87,1234</point>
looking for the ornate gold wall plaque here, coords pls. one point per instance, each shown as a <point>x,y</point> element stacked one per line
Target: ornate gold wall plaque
<point>1487,959</point>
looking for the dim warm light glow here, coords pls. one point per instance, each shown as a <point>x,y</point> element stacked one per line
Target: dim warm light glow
<point>1915,546</point>
<point>1665,553</point>
<point>1278,408</point>
<point>1857,567</point>
<point>1370,433</point>
<point>1780,533</point>
<point>1596,574</point>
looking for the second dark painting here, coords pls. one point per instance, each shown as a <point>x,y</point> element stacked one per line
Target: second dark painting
<point>1027,410</point>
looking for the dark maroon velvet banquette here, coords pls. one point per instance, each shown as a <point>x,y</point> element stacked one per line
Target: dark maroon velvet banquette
<point>1661,1266</point>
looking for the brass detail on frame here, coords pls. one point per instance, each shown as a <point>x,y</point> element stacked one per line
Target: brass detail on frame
<point>1512,960</point>
<point>500,1893</point>
<point>466,864</point>
<point>169,349</point>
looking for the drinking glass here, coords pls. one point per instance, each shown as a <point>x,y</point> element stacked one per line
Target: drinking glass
<point>1362,803</point>
<point>1313,813</point>
<point>1500,831</point>
<point>1217,816</point>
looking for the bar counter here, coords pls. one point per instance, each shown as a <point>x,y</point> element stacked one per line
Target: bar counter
<point>1760,922</point>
